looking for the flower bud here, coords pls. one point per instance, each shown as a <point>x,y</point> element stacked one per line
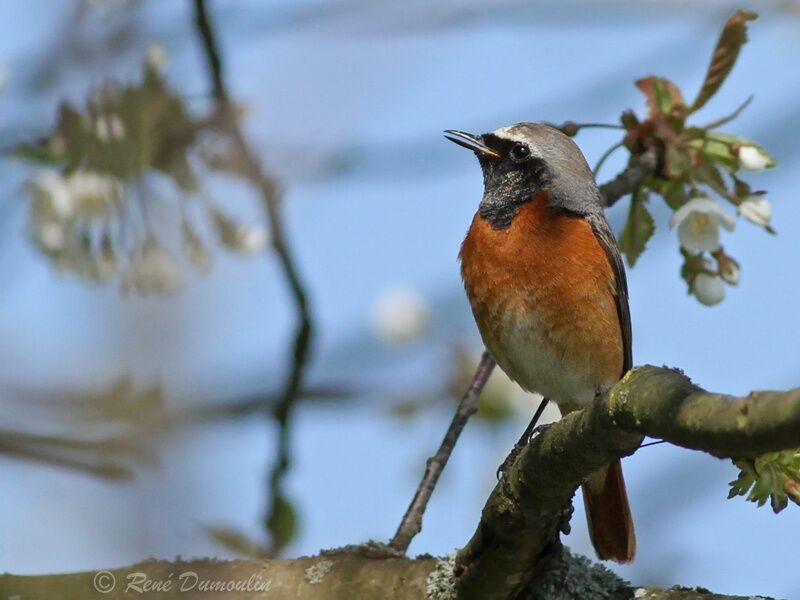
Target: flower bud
<point>156,58</point>
<point>708,289</point>
<point>756,209</point>
<point>753,158</point>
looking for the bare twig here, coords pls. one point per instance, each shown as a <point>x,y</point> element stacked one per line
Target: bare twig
<point>639,167</point>
<point>412,520</point>
<point>270,195</point>
<point>571,128</point>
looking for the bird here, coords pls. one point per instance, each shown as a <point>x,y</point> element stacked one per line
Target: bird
<point>544,278</point>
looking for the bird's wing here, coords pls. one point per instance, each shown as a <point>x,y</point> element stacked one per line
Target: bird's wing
<point>605,236</point>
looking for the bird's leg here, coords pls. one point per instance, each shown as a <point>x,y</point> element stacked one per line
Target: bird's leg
<point>412,520</point>
<point>523,441</point>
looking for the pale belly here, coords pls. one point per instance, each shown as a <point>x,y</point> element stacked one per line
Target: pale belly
<point>539,361</point>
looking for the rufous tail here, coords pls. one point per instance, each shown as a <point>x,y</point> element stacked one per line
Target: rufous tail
<point>609,516</point>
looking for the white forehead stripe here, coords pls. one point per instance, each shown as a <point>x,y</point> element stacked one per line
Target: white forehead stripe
<point>505,132</point>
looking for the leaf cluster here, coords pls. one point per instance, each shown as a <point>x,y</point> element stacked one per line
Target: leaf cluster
<point>774,477</point>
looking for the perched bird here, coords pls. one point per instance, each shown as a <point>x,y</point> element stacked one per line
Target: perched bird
<point>547,288</point>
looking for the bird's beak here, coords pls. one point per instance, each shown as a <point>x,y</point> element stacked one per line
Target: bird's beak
<point>469,141</point>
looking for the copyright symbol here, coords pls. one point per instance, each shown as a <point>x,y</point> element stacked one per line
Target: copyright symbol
<point>104,581</point>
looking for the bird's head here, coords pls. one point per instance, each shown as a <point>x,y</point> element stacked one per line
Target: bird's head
<point>522,160</point>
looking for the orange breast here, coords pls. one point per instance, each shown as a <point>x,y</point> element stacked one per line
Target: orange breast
<point>543,294</point>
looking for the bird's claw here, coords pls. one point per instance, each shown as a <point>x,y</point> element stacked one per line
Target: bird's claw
<point>502,470</point>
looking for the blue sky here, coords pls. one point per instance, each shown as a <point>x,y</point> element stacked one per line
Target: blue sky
<point>347,105</point>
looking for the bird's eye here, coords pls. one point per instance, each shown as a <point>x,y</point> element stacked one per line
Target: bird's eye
<point>520,153</point>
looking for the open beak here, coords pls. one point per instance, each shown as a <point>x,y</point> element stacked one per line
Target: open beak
<point>469,141</point>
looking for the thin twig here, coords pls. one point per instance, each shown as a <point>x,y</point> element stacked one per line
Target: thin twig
<point>571,128</point>
<point>270,194</point>
<point>639,167</point>
<point>211,50</point>
<point>412,520</point>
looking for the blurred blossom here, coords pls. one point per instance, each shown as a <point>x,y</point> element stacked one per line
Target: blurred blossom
<point>156,57</point>
<point>252,238</point>
<point>400,315</point>
<point>81,194</point>
<point>756,209</point>
<point>698,224</point>
<point>51,195</point>
<point>153,270</point>
<point>708,289</point>
<point>109,128</point>
<point>51,236</point>
<point>194,250</point>
<point>753,159</point>
<point>236,236</point>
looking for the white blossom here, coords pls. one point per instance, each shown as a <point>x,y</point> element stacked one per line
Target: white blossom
<point>753,158</point>
<point>756,209</point>
<point>51,235</point>
<point>251,238</point>
<point>153,271</point>
<point>698,224</point>
<point>109,128</point>
<point>708,289</point>
<point>52,195</point>
<point>92,193</point>
<point>156,57</point>
<point>400,315</point>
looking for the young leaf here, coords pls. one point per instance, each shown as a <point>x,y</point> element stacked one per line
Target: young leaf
<point>638,229</point>
<point>663,96</point>
<point>731,40</point>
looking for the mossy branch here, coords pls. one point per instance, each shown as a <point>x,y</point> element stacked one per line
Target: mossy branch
<point>520,523</point>
<point>345,576</point>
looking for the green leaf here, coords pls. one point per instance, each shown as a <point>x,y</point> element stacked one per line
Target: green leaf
<point>235,541</point>
<point>706,171</point>
<point>282,522</point>
<point>38,153</point>
<point>638,229</point>
<point>663,96</point>
<point>672,190</point>
<point>773,477</point>
<point>730,42</point>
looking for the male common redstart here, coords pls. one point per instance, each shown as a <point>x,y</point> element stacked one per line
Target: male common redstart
<point>547,287</point>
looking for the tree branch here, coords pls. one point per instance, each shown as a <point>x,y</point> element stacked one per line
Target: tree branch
<point>270,195</point>
<point>639,167</point>
<point>520,523</point>
<point>515,551</point>
<point>347,575</point>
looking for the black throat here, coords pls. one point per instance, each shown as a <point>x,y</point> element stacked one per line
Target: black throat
<point>507,184</point>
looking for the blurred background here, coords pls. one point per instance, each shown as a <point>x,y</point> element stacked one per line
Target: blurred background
<point>138,405</point>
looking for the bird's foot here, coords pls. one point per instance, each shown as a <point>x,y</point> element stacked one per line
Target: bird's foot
<point>565,517</point>
<point>526,438</point>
